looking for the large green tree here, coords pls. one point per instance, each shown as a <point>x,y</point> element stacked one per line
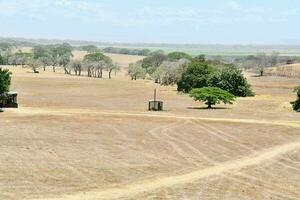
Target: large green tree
<point>196,75</point>
<point>231,79</point>
<point>212,96</point>
<point>95,63</point>
<point>5,80</point>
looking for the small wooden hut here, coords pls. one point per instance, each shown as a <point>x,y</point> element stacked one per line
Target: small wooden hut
<point>9,100</point>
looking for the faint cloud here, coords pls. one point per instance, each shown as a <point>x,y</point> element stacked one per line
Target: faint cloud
<point>234,5</point>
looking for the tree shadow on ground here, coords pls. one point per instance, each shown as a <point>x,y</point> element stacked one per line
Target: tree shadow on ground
<point>205,108</point>
<point>256,76</point>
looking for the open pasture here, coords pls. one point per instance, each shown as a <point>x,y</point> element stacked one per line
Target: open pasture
<point>84,138</point>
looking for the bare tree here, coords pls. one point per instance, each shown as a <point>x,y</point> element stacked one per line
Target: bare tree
<point>136,71</point>
<point>45,61</point>
<point>112,67</point>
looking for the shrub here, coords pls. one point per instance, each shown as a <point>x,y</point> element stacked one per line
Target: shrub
<point>296,104</point>
<point>5,80</point>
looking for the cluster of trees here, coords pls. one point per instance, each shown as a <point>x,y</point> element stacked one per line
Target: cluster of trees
<point>94,63</point>
<point>261,61</point>
<point>202,74</point>
<point>211,80</point>
<point>164,69</point>
<point>213,85</point>
<point>89,48</point>
<point>117,50</point>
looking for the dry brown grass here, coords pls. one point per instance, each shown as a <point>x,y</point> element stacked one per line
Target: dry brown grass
<point>84,138</point>
<point>291,71</point>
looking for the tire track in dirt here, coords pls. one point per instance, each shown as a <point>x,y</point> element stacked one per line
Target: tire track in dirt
<point>269,188</point>
<point>267,185</point>
<point>69,112</point>
<point>137,188</point>
<point>222,136</point>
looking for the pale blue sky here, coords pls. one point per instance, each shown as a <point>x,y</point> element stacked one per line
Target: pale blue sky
<point>160,21</point>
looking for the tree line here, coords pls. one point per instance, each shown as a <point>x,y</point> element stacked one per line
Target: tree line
<point>60,55</point>
<point>126,51</point>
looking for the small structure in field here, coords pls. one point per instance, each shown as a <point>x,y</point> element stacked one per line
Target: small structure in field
<point>155,105</point>
<point>9,100</point>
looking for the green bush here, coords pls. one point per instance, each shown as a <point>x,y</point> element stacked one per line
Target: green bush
<point>212,96</point>
<point>296,104</point>
<point>5,80</point>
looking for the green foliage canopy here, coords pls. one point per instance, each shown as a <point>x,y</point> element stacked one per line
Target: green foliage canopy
<point>174,56</point>
<point>5,80</point>
<point>212,96</point>
<point>97,57</point>
<point>196,75</point>
<point>231,79</point>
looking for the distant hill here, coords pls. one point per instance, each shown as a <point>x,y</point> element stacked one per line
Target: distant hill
<point>193,49</point>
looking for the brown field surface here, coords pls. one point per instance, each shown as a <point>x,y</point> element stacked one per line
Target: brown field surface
<point>292,70</point>
<point>84,138</point>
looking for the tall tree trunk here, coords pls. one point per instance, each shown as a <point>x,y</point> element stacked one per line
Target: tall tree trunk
<point>109,73</point>
<point>209,105</point>
<point>261,72</point>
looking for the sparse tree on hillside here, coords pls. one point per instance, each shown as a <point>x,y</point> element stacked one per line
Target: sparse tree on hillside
<point>34,64</point>
<point>22,58</point>
<point>76,65</point>
<point>61,55</point>
<point>112,67</point>
<point>41,51</point>
<point>95,63</point>
<point>262,62</point>
<point>64,60</point>
<point>136,71</point>
<point>12,60</point>
<point>212,96</point>
<point>45,61</point>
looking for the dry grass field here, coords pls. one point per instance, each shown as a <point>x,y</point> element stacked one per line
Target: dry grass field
<point>292,70</point>
<point>84,138</point>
